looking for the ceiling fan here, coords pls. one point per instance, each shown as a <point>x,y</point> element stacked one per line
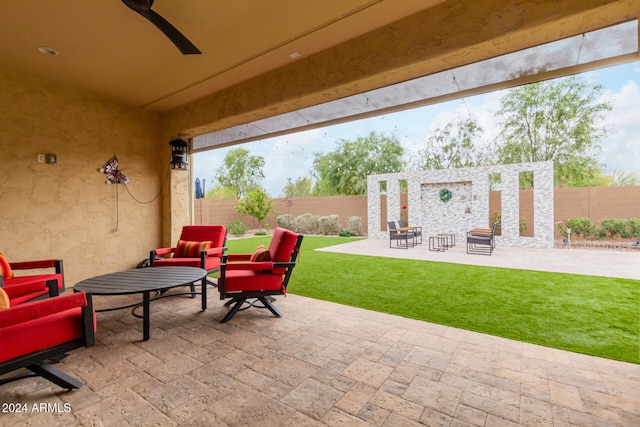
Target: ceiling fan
<point>143,7</point>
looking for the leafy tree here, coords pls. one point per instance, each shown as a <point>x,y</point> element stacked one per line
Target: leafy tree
<point>344,171</point>
<point>240,172</point>
<point>220,193</point>
<point>257,204</point>
<point>302,187</point>
<point>617,179</point>
<point>553,120</point>
<point>453,146</point>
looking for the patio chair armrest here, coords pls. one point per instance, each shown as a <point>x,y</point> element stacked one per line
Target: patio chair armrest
<point>31,265</point>
<point>216,251</point>
<point>164,251</point>
<point>26,288</point>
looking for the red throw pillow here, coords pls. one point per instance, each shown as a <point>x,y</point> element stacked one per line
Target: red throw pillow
<point>260,254</point>
<point>5,268</point>
<point>187,249</point>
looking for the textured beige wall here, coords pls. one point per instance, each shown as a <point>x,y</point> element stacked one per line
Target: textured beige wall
<point>66,210</point>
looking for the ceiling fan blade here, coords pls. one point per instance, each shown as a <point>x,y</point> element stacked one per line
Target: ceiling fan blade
<point>177,38</point>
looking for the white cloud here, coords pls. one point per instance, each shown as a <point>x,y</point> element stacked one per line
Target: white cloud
<point>621,147</point>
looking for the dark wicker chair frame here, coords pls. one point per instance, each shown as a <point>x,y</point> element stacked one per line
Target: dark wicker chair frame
<point>399,236</point>
<point>482,243</point>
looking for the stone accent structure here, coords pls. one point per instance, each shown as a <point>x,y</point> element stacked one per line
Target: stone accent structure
<point>469,206</point>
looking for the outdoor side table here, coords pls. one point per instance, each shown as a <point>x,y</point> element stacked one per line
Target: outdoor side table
<point>451,239</point>
<point>438,243</point>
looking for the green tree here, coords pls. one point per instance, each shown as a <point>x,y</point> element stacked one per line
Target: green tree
<point>220,193</point>
<point>453,146</point>
<point>553,120</point>
<point>302,187</point>
<point>257,204</point>
<point>240,172</point>
<point>344,171</point>
<point>617,179</point>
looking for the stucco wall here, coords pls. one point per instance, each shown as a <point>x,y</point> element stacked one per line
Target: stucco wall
<point>66,210</point>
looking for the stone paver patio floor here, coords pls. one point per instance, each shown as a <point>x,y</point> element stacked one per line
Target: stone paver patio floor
<point>321,364</point>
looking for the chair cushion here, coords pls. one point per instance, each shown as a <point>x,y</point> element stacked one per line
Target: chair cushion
<point>260,254</point>
<point>5,267</point>
<point>34,278</point>
<point>4,300</point>
<point>41,333</point>
<point>212,263</point>
<point>249,280</point>
<point>281,247</point>
<point>191,249</point>
<point>213,233</point>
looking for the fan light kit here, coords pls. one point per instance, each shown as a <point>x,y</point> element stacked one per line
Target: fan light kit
<point>143,7</point>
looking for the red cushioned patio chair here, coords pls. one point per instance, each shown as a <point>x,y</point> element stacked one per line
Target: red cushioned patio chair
<point>199,246</point>
<point>260,275</point>
<point>34,332</point>
<point>14,274</point>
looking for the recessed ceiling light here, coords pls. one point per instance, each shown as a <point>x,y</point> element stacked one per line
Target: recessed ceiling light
<point>294,55</point>
<point>47,51</point>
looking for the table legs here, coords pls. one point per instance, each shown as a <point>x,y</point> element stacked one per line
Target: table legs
<point>203,295</point>
<point>437,243</point>
<point>146,315</point>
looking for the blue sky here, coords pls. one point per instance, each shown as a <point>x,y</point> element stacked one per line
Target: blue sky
<point>292,155</point>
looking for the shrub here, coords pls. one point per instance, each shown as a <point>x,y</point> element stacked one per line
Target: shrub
<point>354,226</point>
<point>286,221</point>
<point>345,233</point>
<point>237,228</point>
<point>634,227</point>
<point>329,225</point>
<point>614,227</point>
<point>580,227</point>
<point>307,224</point>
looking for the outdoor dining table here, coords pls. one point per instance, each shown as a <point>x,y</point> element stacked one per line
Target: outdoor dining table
<point>143,281</point>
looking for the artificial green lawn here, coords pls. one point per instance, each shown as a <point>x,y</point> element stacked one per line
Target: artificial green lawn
<point>585,314</point>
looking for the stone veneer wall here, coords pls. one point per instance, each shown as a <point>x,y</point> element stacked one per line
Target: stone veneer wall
<point>469,206</point>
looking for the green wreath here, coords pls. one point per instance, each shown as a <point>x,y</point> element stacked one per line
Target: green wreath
<point>445,195</point>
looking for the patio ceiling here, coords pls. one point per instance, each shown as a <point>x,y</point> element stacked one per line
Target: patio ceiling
<point>106,48</point>
<point>579,53</point>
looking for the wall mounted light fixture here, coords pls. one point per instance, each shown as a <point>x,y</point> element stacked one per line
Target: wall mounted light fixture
<point>179,154</point>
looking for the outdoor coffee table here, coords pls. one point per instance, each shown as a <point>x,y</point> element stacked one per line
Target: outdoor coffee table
<point>143,281</point>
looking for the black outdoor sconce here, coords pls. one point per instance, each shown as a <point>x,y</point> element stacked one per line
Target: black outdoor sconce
<point>179,154</point>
